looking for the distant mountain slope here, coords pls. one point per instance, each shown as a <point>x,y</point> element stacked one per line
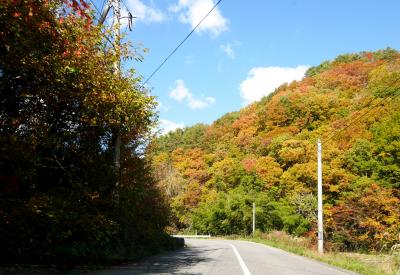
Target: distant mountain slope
<point>266,153</point>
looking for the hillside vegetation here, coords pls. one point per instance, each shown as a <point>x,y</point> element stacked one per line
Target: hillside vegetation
<point>266,153</point>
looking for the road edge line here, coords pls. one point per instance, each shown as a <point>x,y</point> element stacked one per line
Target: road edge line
<point>241,262</point>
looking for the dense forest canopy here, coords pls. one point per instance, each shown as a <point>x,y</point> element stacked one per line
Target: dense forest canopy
<point>266,153</point>
<point>61,104</point>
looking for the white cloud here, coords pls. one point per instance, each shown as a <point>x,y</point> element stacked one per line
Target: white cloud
<point>196,104</point>
<point>181,93</point>
<point>228,50</point>
<point>262,81</point>
<point>142,12</point>
<point>192,11</point>
<point>200,103</point>
<point>210,99</point>
<point>166,126</point>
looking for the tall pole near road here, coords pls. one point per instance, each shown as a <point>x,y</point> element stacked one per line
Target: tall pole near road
<point>116,142</point>
<point>117,33</point>
<point>254,217</point>
<point>117,70</point>
<point>117,67</point>
<point>320,209</point>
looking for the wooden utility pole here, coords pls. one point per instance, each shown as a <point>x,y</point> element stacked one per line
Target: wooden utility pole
<point>116,139</point>
<point>117,70</point>
<point>320,208</point>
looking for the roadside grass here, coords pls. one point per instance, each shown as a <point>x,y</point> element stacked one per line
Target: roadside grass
<point>368,264</point>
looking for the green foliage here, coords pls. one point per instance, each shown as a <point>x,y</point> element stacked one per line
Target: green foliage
<point>226,174</point>
<point>190,137</point>
<point>227,119</point>
<point>231,213</point>
<point>285,217</point>
<point>387,152</point>
<point>347,58</point>
<point>324,66</point>
<point>360,159</point>
<point>387,54</point>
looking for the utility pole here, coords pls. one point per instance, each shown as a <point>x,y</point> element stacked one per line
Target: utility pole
<point>117,70</point>
<point>320,209</point>
<point>254,217</point>
<point>116,142</point>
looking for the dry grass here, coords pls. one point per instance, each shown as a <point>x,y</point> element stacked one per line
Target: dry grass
<point>386,262</point>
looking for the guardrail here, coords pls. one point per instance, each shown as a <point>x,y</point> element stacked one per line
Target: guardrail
<point>192,236</point>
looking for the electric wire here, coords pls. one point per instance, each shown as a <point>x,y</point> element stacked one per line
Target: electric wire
<point>102,5</point>
<point>129,17</point>
<point>99,13</point>
<point>180,44</point>
<point>95,7</point>
<point>123,3</point>
<point>128,10</point>
<point>358,118</point>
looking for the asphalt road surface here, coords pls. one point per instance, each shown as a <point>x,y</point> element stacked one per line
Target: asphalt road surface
<point>225,257</point>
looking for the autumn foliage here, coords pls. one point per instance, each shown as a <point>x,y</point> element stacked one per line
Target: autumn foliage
<point>266,153</point>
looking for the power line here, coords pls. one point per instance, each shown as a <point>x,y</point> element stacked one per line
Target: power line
<point>95,7</point>
<point>99,13</point>
<point>179,45</point>
<point>330,138</point>
<point>123,3</point>
<point>129,17</point>
<point>357,119</point>
<point>102,5</point>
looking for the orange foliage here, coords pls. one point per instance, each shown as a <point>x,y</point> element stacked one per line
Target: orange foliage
<point>352,75</point>
<point>369,219</point>
<point>268,170</point>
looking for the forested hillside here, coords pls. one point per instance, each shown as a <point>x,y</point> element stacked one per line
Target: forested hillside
<point>266,153</point>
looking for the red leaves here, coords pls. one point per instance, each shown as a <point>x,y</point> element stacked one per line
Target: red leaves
<point>81,8</point>
<point>369,55</point>
<point>85,5</point>
<point>368,219</point>
<point>44,25</point>
<point>73,4</point>
<point>249,164</point>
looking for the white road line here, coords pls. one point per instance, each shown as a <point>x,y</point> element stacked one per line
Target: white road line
<point>241,262</point>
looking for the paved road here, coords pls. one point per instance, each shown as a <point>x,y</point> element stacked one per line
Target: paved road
<point>221,257</point>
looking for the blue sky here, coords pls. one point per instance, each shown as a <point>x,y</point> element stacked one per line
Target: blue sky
<point>245,49</point>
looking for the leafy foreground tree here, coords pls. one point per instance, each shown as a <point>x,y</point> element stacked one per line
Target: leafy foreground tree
<point>61,104</point>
